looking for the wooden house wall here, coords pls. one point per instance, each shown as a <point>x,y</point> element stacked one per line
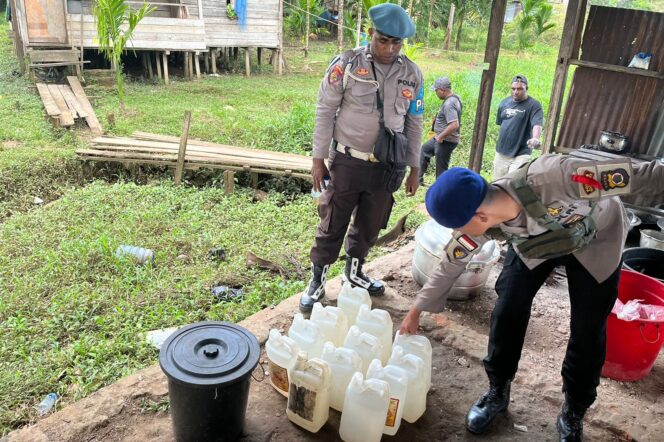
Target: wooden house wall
<point>263,25</point>
<point>152,33</point>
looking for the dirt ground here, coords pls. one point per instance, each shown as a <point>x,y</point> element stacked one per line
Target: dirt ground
<point>131,410</point>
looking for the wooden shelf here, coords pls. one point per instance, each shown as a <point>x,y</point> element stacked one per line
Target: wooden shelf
<point>616,68</point>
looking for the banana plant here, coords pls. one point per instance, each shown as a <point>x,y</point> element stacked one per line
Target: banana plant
<point>116,23</point>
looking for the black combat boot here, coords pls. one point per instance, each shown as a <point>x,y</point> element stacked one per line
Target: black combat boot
<point>315,290</point>
<point>570,422</point>
<point>487,407</point>
<point>357,278</point>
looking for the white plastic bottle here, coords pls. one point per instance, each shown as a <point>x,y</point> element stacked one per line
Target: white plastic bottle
<point>309,393</point>
<point>350,299</point>
<point>416,396</point>
<point>308,336</point>
<point>398,381</point>
<point>367,346</point>
<point>282,353</point>
<point>332,322</point>
<point>365,409</point>
<point>417,345</point>
<point>343,363</point>
<point>377,322</point>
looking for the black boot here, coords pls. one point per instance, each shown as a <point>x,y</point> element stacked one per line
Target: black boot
<point>487,407</point>
<point>315,291</point>
<point>357,278</point>
<point>570,422</point>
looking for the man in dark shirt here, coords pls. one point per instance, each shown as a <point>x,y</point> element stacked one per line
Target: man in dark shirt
<point>520,119</point>
<point>445,127</point>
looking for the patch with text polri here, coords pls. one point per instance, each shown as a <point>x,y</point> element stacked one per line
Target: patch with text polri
<point>417,104</point>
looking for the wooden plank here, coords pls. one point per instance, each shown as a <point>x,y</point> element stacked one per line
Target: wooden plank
<point>213,55</point>
<point>47,21</point>
<point>78,91</point>
<point>229,182</point>
<point>53,55</point>
<point>66,118</point>
<point>616,68</point>
<point>247,62</point>
<point>221,147</point>
<point>164,56</point>
<point>72,101</point>
<point>179,168</point>
<point>52,109</point>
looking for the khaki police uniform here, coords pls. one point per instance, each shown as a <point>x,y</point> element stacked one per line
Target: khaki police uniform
<point>592,271</point>
<point>346,129</point>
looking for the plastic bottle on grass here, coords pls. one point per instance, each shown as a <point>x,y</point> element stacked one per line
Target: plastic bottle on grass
<point>47,404</point>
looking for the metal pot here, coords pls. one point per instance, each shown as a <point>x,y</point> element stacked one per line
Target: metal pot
<point>660,224</point>
<point>613,141</point>
<point>653,239</point>
<point>634,221</point>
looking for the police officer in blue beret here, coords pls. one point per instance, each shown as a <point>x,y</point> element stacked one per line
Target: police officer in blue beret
<point>362,87</point>
<point>556,210</point>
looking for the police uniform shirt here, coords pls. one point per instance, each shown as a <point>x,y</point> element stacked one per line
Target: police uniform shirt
<point>568,201</point>
<point>350,114</point>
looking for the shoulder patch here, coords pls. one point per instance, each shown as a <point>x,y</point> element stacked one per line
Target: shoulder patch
<point>461,248</point>
<point>417,104</point>
<point>603,179</point>
<point>335,75</point>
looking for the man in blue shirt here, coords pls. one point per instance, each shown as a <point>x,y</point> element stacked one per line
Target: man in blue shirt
<point>520,119</point>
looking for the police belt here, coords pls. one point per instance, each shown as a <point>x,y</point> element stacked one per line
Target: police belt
<point>364,156</point>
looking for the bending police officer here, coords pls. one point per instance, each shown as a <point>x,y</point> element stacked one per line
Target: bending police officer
<point>556,210</point>
<point>361,88</point>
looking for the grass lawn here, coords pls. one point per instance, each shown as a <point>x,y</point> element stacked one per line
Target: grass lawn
<point>71,312</point>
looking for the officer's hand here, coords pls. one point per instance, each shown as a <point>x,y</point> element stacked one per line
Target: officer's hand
<point>534,143</point>
<point>410,323</point>
<point>412,181</point>
<point>318,173</point>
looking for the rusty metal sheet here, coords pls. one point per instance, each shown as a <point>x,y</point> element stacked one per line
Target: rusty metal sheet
<point>621,102</point>
<point>47,22</point>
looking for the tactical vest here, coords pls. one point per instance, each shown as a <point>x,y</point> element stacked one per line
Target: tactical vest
<point>559,240</point>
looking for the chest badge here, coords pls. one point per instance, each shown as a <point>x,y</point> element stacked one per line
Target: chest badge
<point>407,93</point>
<point>362,72</point>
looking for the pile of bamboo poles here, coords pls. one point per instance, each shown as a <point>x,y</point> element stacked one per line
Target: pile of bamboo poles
<point>146,148</point>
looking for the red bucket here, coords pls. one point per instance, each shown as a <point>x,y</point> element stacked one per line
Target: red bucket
<point>632,346</point>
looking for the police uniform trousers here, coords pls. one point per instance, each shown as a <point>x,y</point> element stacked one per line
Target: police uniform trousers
<point>356,189</point>
<point>590,301</point>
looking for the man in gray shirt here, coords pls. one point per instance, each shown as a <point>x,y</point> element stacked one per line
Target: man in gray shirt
<point>520,120</point>
<point>529,207</point>
<point>445,127</point>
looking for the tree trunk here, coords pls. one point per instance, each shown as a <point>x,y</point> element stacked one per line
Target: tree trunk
<point>457,44</point>
<point>410,8</point>
<point>340,29</point>
<point>433,2</point>
<point>450,25</point>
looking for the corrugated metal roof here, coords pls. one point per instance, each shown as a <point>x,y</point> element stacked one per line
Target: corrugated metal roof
<point>620,102</point>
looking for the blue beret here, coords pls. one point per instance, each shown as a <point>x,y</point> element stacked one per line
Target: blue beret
<point>455,196</point>
<point>392,20</point>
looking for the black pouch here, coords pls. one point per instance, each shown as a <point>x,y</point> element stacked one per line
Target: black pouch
<point>393,177</point>
<point>390,148</point>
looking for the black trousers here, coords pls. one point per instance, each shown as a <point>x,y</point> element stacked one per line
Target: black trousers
<point>591,302</point>
<point>443,153</point>
<point>357,189</point>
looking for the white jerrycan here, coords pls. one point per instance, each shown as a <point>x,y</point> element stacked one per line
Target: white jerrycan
<point>398,382</point>
<point>416,396</point>
<point>332,322</point>
<point>365,408</point>
<point>417,345</point>
<point>350,299</point>
<point>309,393</point>
<point>377,322</point>
<point>343,363</point>
<point>282,353</point>
<point>308,336</point>
<point>367,346</point>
